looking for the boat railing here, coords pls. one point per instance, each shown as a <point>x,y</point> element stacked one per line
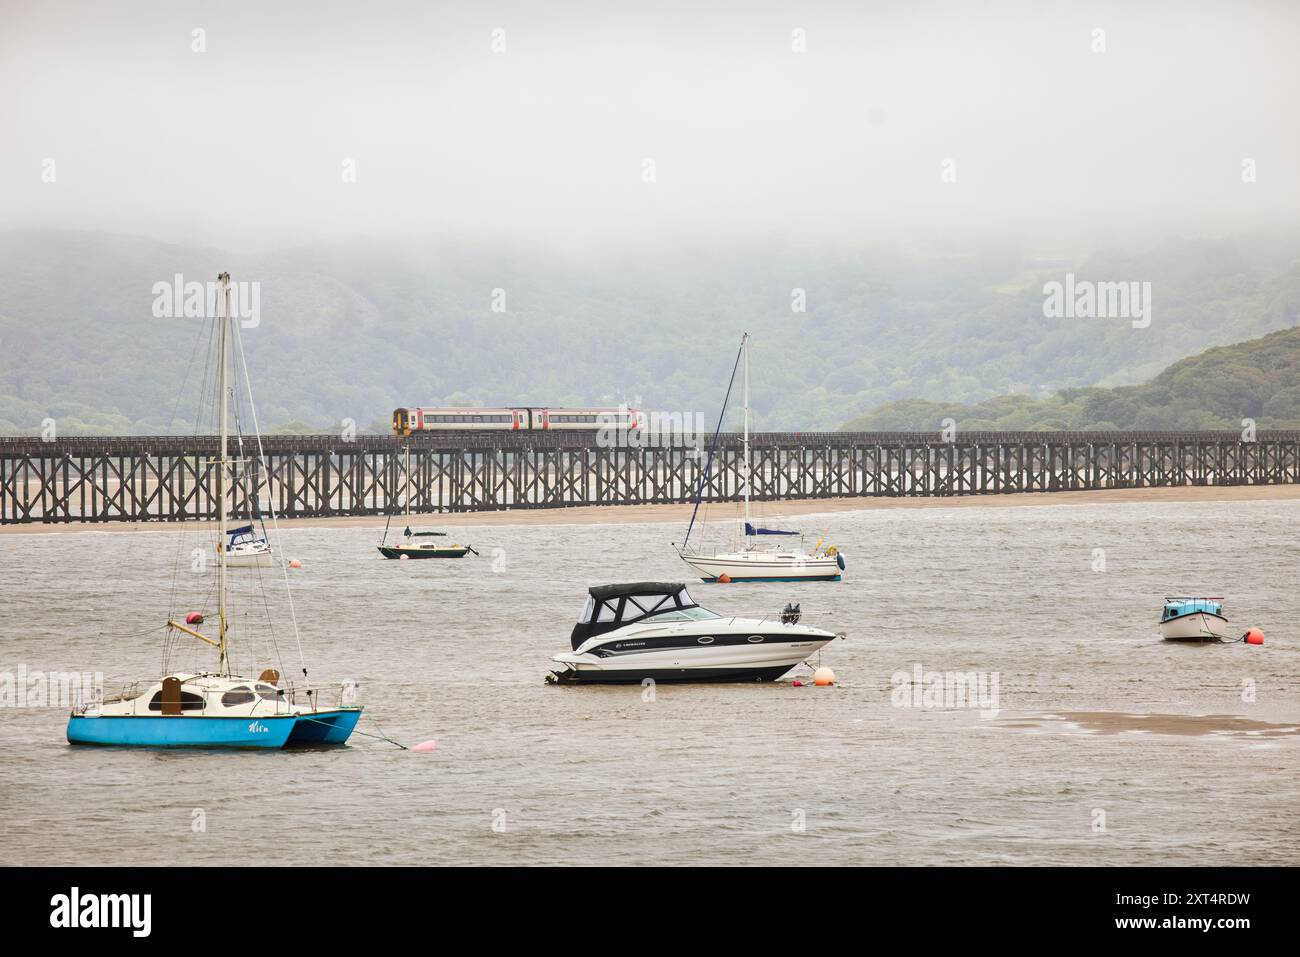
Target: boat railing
<point>758,619</point>
<point>344,694</point>
<point>127,691</point>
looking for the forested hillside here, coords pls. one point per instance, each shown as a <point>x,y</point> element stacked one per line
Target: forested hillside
<point>1217,389</point>
<point>351,331</point>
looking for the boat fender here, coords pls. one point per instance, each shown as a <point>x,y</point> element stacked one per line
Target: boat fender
<point>194,618</point>
<point>1253,636</point>
<point>839,560</point>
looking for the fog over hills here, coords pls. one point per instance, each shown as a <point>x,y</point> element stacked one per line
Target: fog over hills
<point>878,192</point>
<point>352,330</point>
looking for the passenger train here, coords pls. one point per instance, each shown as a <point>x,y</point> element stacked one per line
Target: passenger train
<point>406,421</point>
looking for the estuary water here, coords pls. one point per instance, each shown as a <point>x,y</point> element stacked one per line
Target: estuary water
<point>1093,742</point>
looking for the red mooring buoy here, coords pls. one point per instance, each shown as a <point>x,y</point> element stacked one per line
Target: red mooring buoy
<point>194,618</point>
<point>1253,636</point>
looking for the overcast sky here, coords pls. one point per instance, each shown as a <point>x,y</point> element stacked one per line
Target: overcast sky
<point>548,139</point>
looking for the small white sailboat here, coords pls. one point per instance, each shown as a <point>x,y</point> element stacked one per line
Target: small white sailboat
<point>218,709</point>
<point>246,549</point>
<point>754,560</point>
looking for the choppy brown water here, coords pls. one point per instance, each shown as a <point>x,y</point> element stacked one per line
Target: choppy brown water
<point>704,774</point>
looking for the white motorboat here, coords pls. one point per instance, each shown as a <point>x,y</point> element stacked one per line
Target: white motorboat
<point>752,561</point>
<point>1193,619</point>
<point>654,630</point>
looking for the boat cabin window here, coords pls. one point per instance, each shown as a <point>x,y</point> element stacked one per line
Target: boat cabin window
<point>587,609</point>
<point>236,696</point>
<point>267,693</point>
<point>189,701</point>
<point>694,613</point>
<point>645,604</point>
<point>608,611</point>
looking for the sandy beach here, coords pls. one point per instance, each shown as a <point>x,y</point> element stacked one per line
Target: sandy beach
<point>646,514</point>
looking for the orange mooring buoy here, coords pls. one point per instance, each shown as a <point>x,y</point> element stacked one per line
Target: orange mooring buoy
<point>1253,636</point>
<point>823,676</point>
<point>295,564</point>
<point>724,579</point>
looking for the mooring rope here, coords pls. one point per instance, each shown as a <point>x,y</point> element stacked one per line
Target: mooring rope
<point>380,737</point>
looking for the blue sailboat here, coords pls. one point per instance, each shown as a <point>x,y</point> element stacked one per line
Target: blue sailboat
<point>216,709</point>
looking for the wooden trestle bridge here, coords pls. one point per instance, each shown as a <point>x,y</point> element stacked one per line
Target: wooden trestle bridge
<point>140,479</point>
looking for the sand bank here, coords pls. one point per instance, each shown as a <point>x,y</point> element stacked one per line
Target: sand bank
<point>638,514</point>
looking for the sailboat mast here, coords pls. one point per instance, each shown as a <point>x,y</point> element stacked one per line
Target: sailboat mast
<point>221,474</point>
<point>744,343</point>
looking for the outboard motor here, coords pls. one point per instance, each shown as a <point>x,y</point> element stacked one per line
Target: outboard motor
<point>790,614</point>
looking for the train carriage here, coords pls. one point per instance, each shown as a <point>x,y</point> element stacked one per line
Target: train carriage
<point>409,420</point>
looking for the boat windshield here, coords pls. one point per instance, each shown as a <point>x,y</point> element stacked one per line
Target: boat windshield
<point>650,606</point>
<point>694,613</point>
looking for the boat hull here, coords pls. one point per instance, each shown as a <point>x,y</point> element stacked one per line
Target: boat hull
<point>324,727</point>
<point>747,655</point>
<point>585,676</point>
<point>249,560</point>
<point>740,568</point>
<point>1196,626</point>
<point>181,731</point>
<point>399,551</point>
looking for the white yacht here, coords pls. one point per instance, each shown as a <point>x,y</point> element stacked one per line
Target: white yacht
<point>246,549</point>
<point>753,561</point>
<point>654,630</point>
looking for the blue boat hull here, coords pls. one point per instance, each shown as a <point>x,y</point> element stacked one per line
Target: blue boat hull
<point>181,731</point>
<point>324,727</point>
